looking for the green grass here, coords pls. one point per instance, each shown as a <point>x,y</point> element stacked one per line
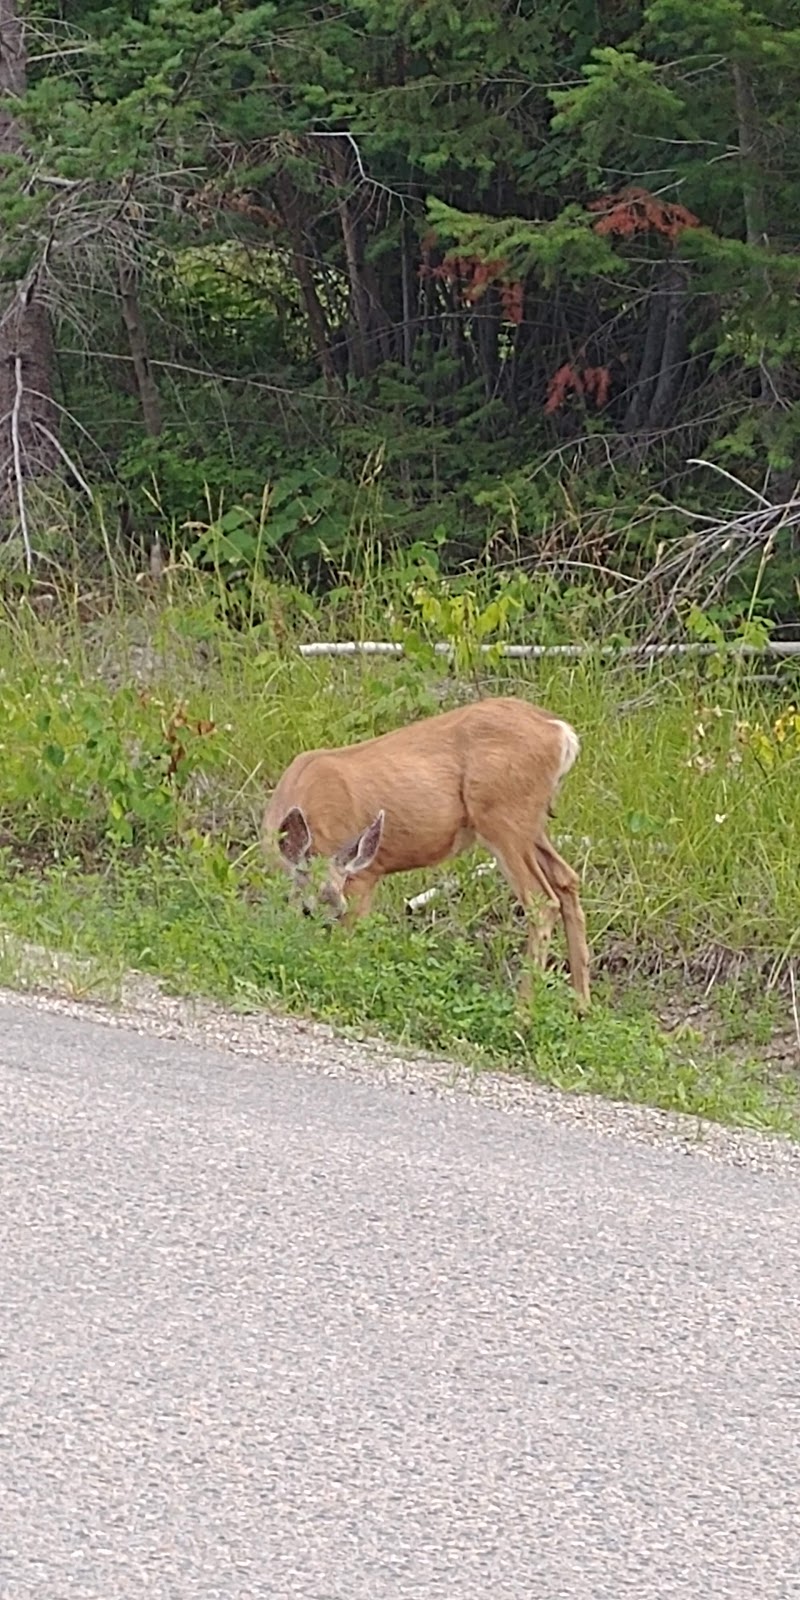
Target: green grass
<point>191,923</point>
<point>128,834</point>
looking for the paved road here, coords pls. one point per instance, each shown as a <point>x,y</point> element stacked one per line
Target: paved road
<point>263,1333</point>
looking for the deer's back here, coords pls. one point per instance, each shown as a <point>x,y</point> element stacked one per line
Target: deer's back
<point>439,781</point>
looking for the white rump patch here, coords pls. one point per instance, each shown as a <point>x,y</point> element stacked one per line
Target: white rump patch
<point>570,747</point>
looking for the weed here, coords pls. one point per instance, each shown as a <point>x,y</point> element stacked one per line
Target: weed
<point>137,749</point>
<point>190,920</point>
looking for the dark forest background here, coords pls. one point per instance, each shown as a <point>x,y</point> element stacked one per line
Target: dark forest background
<point>480,274</point>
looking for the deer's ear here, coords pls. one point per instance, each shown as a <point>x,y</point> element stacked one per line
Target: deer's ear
<point>294,837</point>
<point>361,852</point>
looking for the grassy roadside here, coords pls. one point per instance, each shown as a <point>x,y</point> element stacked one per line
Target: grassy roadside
<point>136,748</point>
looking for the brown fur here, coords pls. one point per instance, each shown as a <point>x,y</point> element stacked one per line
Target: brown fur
<point>486,772</point>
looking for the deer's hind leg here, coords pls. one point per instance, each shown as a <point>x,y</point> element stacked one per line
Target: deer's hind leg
<point>539,900</point>
<point>546,888</point>
<point>564,884</point>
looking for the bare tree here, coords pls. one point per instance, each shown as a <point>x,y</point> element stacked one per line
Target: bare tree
<point>28,417</point>
<point>754,166</point>
<point>133,319</point>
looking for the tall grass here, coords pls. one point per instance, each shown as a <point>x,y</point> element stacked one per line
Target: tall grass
<point>136,746</point>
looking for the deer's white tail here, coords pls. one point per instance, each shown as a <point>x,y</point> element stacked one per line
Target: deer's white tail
<point>570,747</point>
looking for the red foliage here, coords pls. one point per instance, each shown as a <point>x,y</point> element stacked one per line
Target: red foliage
<point>562,381</point>
<point>177,750</point>
<point>596,382</point>
<point>590,383</point>
<point>471,276</point>
<point>635,210</point>
<point>170,727</point>
<point>512,299</point>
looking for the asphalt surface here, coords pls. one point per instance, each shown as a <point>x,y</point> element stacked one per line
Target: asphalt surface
<point>264,1333</point>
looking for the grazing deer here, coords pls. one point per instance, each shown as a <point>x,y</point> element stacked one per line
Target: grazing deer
<point>488,771</point>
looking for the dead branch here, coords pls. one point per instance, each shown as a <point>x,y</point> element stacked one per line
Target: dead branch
<point>19,392</point>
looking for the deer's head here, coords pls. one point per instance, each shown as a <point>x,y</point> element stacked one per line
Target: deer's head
<point>297,851</point>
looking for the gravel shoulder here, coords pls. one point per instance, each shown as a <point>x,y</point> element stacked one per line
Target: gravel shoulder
<point>50,984</point>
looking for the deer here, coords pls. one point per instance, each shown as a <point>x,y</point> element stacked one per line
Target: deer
<point>487,772</point>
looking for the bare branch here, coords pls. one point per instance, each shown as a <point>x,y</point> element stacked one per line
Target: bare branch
<point>713,466</point>
<point>15,439</point>
<point>372,183</point>
<point>67,459</point>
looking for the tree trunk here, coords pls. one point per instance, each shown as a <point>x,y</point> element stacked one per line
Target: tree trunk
<point>28,416</point>
<point>486,325</point>
<point>673,350</point>
<point>644,382</point>
<point>290,209</point>
<point>771,377</point>
<point>371,337</point>
<point>383,336</point>
<point>410,319</point>
<point>137,340</point>
<point>661,371</point>
<point>752,182</point>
